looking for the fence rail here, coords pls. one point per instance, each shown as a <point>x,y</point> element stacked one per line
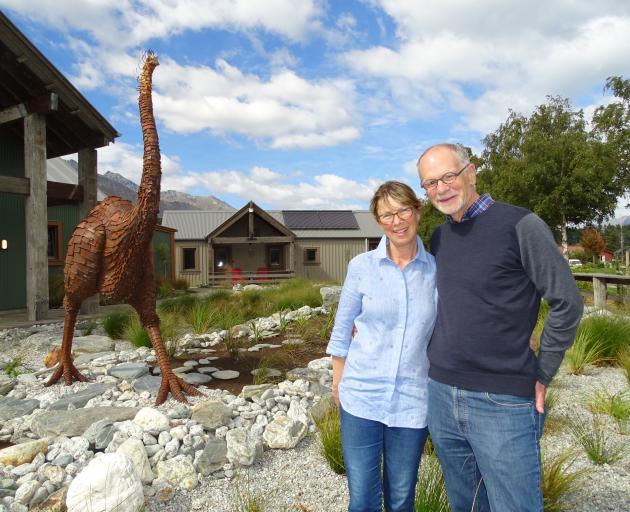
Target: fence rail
<point>600,285</point>
<point>250,277</point>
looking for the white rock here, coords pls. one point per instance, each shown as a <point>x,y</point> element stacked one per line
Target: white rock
<point>108,483</point>
<point>242,448</point>
<point>283,432</point>
<point>179,471</point>
<point>297,412</point>
<point>151,420</point>
<point>134,449</point>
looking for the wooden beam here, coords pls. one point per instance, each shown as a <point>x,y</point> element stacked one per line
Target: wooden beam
<point>15,185</point>
<point>37,105</point>
<point>62,193</point>
<point>246,240</point>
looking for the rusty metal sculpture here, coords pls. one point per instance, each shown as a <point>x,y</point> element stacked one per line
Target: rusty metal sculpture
<point>110,253</point>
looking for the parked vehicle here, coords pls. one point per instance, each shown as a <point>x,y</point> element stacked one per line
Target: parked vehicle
<point>574,262</point>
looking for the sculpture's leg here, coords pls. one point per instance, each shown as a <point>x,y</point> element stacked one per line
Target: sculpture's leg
<point>66,367</point>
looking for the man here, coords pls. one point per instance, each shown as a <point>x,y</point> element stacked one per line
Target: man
<point>487,387</point>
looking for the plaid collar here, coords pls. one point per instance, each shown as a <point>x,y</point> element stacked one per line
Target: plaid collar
<point>482,203</point>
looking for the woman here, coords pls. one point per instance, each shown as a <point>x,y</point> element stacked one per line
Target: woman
<point>380,374</point>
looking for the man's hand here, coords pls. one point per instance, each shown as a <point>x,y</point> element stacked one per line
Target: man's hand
<point>540,390</point>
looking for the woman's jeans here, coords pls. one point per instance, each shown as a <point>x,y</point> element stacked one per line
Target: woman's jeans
<point>364,442</point>
<point>489,448</point>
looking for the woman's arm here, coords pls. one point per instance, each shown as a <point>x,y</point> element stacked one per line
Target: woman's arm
<point>337,364</point>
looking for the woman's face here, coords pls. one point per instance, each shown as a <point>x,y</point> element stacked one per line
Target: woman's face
<point>401,228</point>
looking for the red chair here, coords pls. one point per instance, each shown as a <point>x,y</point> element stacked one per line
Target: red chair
<point>261,274</point>
<point>237,274</point>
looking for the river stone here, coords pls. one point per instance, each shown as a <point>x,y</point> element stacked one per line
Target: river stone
<point>14,408</point>
<point>89,357</point>
<point>134,449</point>
<point>213,457</point>
<point>100,433</point>
<point>242,448</point>
<point>196,379</point>
<point>226,374</point>
<point>88,344</point>
<point>56,502</point>
<point>152,421</point>
<point>268,372</point>
<point>321,408</point>
<point>293,341</point>
<point>81,398</point>
<point>128,371</point>
<point>283,432</point>
<point>251,391</point>
<point>23,453</point>
<point>75,423</point>
<point>25,492</point>
<point>330,295</point>
<point>6,384</point>
<point>207,369</point>
<point>108,483</point>
<point>211,414</point>
<point>147,383</point>
<point>179,471</point>
<point>304,374</point>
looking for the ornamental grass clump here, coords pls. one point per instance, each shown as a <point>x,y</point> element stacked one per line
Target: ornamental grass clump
<point>329,426</point>
<point>616,405</point>
<point>586,349</point>
<point>431,489</point>
<point>115,324</point>
<point>596,441</point>
<point>200,317</point>
<point>135,333</point>
<point>623,359</point>
<point>612,333</point>
<point>558,479</point>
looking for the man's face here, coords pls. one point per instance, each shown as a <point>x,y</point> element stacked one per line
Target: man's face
<point>454,198</point>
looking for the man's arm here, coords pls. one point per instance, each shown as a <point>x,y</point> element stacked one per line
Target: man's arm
<point>551,276</point>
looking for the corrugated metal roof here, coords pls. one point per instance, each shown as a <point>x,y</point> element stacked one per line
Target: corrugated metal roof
<point>62,171</point>
<point>319,219</point>
<point>367,227</point>
<point>195,224</point>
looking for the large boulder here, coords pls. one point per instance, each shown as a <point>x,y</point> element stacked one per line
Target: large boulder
<point>283,432</point>
<point>211,414</point>
<point>91,344</point>
<point>213,457</point>
<point>152,421</point>
<point>179,471</point>
<point>23,453</point>
<point>75,423</point>
<point>242,448</point>
<point>330,296</point>
<point>134,450</point>
<point>80,398</point>
<point>108,483</point>
<point>15,408</point>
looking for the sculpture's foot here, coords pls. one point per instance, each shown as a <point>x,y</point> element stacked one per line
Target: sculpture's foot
<point>177,387</point>
<point>68,370</point>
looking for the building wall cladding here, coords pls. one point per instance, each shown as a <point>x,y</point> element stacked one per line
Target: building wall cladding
<point>196,277</point>
<point>334,255</point>
<point>13,259</point>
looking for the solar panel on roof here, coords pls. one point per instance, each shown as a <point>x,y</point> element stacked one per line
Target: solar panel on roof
<point>319,219</point>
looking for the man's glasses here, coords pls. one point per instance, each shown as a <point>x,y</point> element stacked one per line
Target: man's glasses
<point>403,214</point>
<point>446,178</point>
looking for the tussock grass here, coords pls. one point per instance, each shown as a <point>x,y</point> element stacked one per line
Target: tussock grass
<point>612,333</point>
<point>551,399</point>
<point>115,324</point>
<point>597,444</point>
<point>431,489</point>
<point>200,317</point>
<point>586,349</point>
<point>623,358</point>
<point>329,427</point>
<point>558,479</point>
<point>170,328</point>
<point>616,405</point>
<point>135,333</point>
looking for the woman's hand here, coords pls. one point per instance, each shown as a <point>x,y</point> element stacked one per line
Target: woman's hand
<point>337,363</point>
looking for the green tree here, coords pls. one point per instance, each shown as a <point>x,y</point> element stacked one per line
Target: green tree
<point>553,165</point>
<point>592,243</point>
<point>431,218</point>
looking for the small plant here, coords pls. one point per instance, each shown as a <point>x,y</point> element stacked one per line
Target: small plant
<point>200,317</point>
<point>115,324</point>
<point>180,284</point>
<point>616,405</point>
<point>329,427</point>
<point>283,322</point>
<point>264,374</point>
<point>301,320</point>
<point>595,441</point>
<point>233,346</point>
<point>135,333</point>
<point>88,328</point>
<point>610,332</point>
<point>170,329</point>
<point>623,358</point>
<point>551,399</point>
<point>329,322</point>
<point>256,332</point>
<point>558,480</point>
<point>584,351</point>
<point>56,290</point>
<point>13,367</point>
<point>244,501</point>
<point>431,489</point>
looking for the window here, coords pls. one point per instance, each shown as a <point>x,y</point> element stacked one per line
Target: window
<point>311,256</point>
<point>221,258</point>
<point>189,258</point>
<point>274,256</point>
<point>55,244</point>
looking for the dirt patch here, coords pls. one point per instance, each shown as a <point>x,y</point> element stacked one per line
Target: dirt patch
<point>5,444</point>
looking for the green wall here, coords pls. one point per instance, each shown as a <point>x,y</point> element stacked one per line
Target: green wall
<point>162,254</point>
<point>12,260</point>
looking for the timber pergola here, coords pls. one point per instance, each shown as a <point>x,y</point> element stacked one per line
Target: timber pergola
<point>243,228</point>
<point>40,107</point>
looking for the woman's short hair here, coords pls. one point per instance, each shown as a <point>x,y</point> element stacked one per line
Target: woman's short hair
<point>399,192</point>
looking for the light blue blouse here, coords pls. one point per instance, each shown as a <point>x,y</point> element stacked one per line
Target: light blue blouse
<point>385,373</point>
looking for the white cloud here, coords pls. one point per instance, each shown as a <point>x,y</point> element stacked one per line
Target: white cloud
<point>126,159</point>
<point>478,59</point>
<point>285,109</point>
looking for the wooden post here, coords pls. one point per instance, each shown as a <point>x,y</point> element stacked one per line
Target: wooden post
<point>88,179</point>
<point>291,256</point>
<point>600,292</point>
<point>210,264</point>
<point>36,217</point>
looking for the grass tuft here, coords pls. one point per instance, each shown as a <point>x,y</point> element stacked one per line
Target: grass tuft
<point>623,358</point>
<point>431,489</point>
<point>596,443</point>
<point>616,405</point>
<point>329,427</point>
<point>115,324</point>
<point>135,333</point>
<point>586,349</point>
<point>558,480</point>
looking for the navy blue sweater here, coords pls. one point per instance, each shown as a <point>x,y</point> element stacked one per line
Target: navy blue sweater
<point>491,273</point>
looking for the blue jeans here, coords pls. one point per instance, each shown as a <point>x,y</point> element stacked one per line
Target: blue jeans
<point>364,443</point>
<point>489,448</point>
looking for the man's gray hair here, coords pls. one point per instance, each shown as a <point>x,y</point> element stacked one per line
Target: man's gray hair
<point>459,150</point>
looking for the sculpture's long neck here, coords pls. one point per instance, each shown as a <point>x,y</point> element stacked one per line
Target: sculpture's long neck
<point>148,202</point>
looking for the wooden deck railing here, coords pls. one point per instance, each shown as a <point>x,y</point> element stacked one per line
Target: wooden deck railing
<point>600,285</point>
<point>250,277</point>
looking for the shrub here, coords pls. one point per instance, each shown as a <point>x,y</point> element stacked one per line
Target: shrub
<point>180,284</point>
<point>88,328</point>
<point>431,489</point>
<point>329,427</point>
<point>115,324</point>
<point>558,480</point>
<point>595,441</point>
<point>13,368</point>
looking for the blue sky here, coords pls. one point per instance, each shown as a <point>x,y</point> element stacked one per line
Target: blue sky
<point>312,103</point>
